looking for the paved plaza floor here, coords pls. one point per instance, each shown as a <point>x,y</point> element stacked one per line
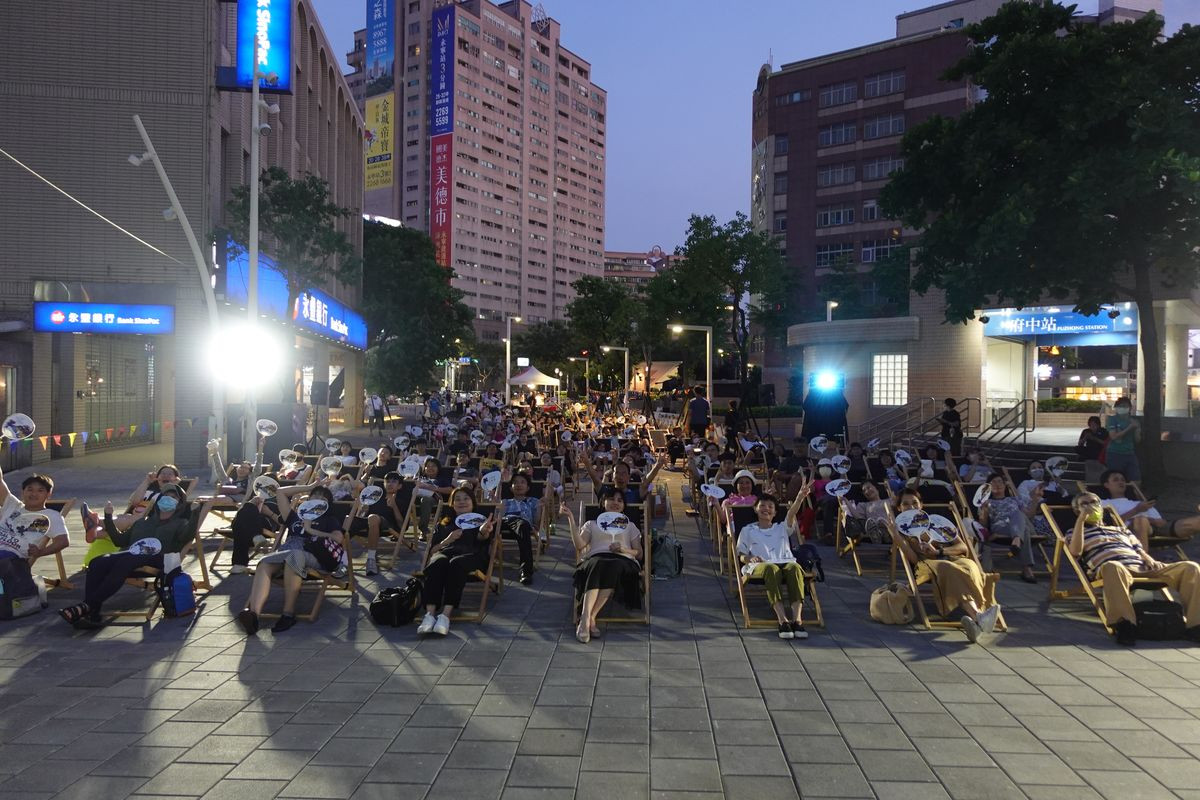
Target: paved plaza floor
<point>693,706</point>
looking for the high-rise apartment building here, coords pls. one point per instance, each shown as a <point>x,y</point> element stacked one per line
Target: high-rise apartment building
<point>634,270</point>
<point>488,133</point>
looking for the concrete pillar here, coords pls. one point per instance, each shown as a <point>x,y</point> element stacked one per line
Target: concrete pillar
<point>1176,347</point>
<point>321,373</point>
<point>1160,313</point>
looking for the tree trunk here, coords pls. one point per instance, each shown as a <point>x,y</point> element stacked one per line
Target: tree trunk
<point>1150,384</point>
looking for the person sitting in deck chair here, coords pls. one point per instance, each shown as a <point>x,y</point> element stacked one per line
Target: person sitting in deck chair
<point>765,551</point>
<point>455,553</point>
<point>1141,515</point>
<point>139,502</point>
<point>609,563</point>
<point>22,539</point>
<point>957,579</point>
<point>1114,555</point>
<point>867,518</point>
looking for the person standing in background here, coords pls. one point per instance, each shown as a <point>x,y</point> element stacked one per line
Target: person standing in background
<point>699,413</point>
<point>1123,433</point>
<point>951,422</point>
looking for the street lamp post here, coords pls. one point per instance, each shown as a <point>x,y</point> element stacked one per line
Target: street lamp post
<point>587,386</point>
<point>708,332</point>
<point>625,350</point>
<point>508,356</point>
<point>830,305</point>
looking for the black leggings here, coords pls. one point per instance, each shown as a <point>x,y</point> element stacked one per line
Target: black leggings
<point>516,529</point>
<point>106,574</point>
<point>445,577</point>
<point>248,523</point>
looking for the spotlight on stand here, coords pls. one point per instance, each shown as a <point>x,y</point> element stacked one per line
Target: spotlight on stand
<point>826,381</point>
<point>985,319</point>
<point>1113,313</point>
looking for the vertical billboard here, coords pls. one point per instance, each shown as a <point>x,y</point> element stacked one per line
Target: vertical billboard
<point>380,111</point>
<point>264,42</point>
<point>441,136</point>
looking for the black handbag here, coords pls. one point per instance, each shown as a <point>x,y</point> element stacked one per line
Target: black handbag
<point>397,605</point>
<point>1159,620</point>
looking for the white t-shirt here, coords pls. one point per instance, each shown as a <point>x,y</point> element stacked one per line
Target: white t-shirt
<point>1123,505</point>
<point>18,542</point>
<point>770,544</point>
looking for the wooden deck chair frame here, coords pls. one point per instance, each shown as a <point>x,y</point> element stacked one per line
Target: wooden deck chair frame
<point>1091,590</point>
<point>585,515</point>
<point>63,507</point>
<point>410,532</point>
<point>744,582</point>
<point>143,579</point>
<point>1156,542</point>
<point>923,600</point>
<point>843,544</point>
<point>489,581</point>
<point>319,584</point>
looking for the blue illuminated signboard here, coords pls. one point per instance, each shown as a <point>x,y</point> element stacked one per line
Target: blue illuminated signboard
<point>103,318</point>
<point>1065,326</point>
<point>264,39</point>
<point>442,81</point>
<point>381,46</point>
<point>313,311</point>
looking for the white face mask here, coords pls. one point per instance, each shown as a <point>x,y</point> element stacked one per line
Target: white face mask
<point>1123,411</point>
<point>1037,474</point>
<point>825,472</point>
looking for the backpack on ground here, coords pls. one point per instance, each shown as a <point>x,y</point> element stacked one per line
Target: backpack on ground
<point>666,556</point>
<point>21,594</point>
<point>1159,620</point>
<point>892,604</point>
<point>176,593</point>
<point>809,559</point>
<point>397,605</point>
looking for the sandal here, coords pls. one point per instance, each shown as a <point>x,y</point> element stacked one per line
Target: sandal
<point>73,614</point>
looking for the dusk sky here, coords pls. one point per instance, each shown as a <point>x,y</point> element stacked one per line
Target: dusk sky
<point>679,76</point>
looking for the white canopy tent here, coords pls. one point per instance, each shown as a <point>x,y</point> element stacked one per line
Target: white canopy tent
<point>532,376</point>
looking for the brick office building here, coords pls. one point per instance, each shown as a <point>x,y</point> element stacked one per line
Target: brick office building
<point>487,100</point>
<point>68,116</point>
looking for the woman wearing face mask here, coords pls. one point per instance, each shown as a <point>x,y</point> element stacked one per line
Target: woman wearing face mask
<point>827,504</point>
<point>975,470</point>
<point>1123,434</point>
<point>1007,516</point>
<point>139,503</point>
<point>164,529</point>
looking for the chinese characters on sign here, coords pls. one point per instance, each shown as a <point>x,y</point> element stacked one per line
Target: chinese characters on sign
<point>381,46</point>
<point>380,142</point>
<point>103,318</point>
<point>1068,327</point>
<point>441,143</point>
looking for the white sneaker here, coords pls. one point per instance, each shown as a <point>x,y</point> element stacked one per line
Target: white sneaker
<point>237,569</point>
<point>971,628</point>
<point>987,619</point>
<point>427,624</point>
<point>372,567</point>
<point>442,626</point>
<point>259,540</point>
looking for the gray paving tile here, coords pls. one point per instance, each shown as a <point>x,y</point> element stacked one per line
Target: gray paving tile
<point>832,780</point>
<point>765,760</point>
<point>421,768</point>
<point>482,755</point>
<point>755,787</point>
<point>1114,785</point>
<point>606,785</point>
<point>551,742</point>
<point>547,771</point>
<point>143,762</point>
<point>186,779</point>
<point>244,790</point>
<point>684,774</point>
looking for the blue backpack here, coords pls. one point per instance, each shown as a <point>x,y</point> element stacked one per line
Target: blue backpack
<point>176,592</point>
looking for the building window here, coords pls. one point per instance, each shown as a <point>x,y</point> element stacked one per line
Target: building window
<point>414,28</point>
<point>835,175</point>
<point>887,125</point>
<point>884,83</point>
<point>781,184</point>
<point>839,133</point>
<point>879,168</point>
<point>889,379</point>
<point>955,23</point>
<point>781,144</point>
<point>838,94</point>
<point>780,223</point>
<point>799,96</point>
<point>830,254</point>
<point>878,249</point>
<point>870,210</point>
<point>829,216</point>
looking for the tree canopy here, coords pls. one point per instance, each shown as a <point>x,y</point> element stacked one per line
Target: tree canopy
<point>1074,178</point>
<point>413,313</point>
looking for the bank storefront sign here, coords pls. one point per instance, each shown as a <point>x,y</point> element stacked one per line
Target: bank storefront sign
<point>313,311</point>
<point>1115,324</point>
<point>51,317</point>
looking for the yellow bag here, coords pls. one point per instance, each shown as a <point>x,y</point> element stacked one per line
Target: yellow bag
<point>892,604</point>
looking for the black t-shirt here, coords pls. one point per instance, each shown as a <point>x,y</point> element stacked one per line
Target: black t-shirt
<point>1090,449</point>
<point>468,543</point>
<point>457,447</point>
<point>731,419</point>
<point>326,523</point>
<point>951,424</point>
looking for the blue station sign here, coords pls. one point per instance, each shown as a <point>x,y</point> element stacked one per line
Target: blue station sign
<point>50,317</point>
<point>1064,325</point>
<point>264,41</point>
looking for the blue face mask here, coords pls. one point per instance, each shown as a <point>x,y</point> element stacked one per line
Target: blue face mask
<point>168,504</point>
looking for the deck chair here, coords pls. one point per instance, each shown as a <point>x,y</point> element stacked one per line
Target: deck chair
<point>319,584</point>
<point>636,514</point>
<point>63,507</point>
<point>1133,491</point>
<point>1062,522</point>
<point>745,584</point>
<point>844,544</point>
<point>410,530</point>
<point>225,534</point>
<point>489,581</point>
<point>143,579</point>
<point>923,601</point>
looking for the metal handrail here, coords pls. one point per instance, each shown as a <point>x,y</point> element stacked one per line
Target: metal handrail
<point>1001,434</point>
<point>888,421</point>
<point>906,435</point>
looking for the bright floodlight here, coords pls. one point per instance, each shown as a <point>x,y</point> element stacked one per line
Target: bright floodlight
<point>606,348</point>
<point>826,381</point>
<point>256,365</point>
<point>676,329</point>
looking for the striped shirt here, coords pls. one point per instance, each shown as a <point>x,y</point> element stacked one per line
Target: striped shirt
<point>1102,544</point>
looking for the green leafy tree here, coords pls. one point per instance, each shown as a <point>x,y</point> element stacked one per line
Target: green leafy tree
<point>489,361</point>
<point>742,275</point>
<point>547,344</point>
<point>298,223</point>
<point>1076,179</point>
<point>415,317</point>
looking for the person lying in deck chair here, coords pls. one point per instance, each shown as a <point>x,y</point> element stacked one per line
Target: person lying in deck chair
<point>1141,515</point>
<point>610,563</point>
<point>25,537</point>
<point>765,550</point>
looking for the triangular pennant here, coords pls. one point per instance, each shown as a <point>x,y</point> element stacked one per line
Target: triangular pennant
<point>191,422</point>
<point>71,439</point>
<point>121,430</point>
<point>108,432</point>
<point>157,425</point>
<point>133,429</point>
<point>45,440</point>
<point>83,435</point>
<point>57,440</point>
<point>168,424</point>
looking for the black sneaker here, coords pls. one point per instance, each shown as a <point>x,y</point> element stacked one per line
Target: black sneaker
<point>1126,633</point>
<point>798,631</point>
<point>249,621</point>
<point>283,623</point>
<point>1192,634</point>
<point>526,575</point>
<point>785,631</point>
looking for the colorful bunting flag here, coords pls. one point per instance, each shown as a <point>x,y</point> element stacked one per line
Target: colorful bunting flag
<point>45,440</point>
<point>71,439</point>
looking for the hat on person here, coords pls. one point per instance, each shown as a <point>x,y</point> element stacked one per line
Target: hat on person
<point>743,473</point>
<point>825,462</point>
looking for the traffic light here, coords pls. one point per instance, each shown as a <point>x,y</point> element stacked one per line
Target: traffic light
<point>583,353</point>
